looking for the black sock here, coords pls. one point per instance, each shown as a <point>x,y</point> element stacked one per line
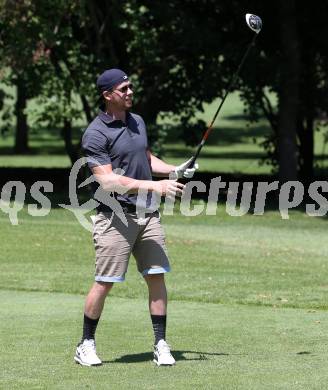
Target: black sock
<point>89,328</point>
<point>159,326</point>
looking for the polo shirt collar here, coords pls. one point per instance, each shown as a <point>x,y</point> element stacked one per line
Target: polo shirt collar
<point>106,118</point>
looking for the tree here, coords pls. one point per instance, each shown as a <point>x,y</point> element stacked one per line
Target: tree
<point>291,62</point>
<point>179,54</point>
<point>83,38</point>
<point>32,35</point>
<point>20,29</point>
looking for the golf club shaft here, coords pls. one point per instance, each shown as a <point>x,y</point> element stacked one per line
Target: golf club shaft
<point>230,85</point>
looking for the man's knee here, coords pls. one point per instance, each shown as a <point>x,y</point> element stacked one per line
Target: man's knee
<point>155,281</point>
<point>154,277</point>
<point>103,288</point>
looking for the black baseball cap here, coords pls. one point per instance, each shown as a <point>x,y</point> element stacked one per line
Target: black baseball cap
<point>111,77</point>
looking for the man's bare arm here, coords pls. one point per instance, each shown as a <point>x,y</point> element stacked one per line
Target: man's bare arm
<point>160,168</point>
<point>111,181</point>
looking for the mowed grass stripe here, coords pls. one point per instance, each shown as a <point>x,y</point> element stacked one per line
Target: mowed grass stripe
<point>216,346</point>
<point>248,260</point>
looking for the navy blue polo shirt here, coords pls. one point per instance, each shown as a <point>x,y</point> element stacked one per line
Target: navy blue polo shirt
<point>123,145</point>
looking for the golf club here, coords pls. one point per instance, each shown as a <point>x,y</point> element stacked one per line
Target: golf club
<point>254,22</point>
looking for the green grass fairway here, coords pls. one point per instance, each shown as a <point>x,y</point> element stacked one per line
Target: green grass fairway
<point>216,346</point>
<point>248,306</point>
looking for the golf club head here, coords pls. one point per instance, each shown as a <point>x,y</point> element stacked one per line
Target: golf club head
<point>254,22</point>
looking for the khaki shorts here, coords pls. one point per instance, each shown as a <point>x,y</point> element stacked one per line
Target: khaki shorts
<point>114,243</point>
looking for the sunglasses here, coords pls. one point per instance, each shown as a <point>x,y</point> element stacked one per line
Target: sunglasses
<point>125,88</point>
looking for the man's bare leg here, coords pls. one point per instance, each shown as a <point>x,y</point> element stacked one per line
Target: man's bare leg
<point>157,294</point>
<point>157,309</point>
<point>95,300</point>
<point>86,351</point>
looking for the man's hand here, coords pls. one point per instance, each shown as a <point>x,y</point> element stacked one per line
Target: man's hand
<point>183,170</point>
<point>170,188</point>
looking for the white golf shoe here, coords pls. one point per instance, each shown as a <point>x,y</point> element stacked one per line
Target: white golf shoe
<point>162,354</point>
<point>86,354</point>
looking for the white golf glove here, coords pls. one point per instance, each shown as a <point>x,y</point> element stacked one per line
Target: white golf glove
<point>182,170</point>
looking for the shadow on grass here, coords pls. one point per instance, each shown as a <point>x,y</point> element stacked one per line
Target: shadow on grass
<point>178,355</point>
<point>43,142</point>
<point>238,117</point>
<point>173,152</point>
<point>44,150</point>
<point>231,135</point>
<point>225,136</point>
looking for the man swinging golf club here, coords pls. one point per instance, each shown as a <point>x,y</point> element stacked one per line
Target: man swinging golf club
<point>117,139</point>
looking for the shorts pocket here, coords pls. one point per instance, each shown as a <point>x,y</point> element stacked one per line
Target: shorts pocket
<point>101,224</point>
